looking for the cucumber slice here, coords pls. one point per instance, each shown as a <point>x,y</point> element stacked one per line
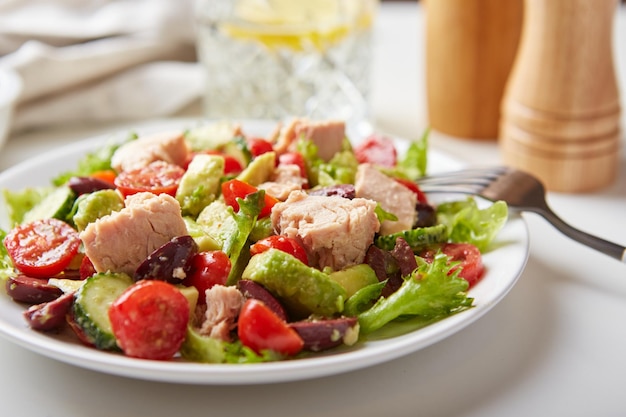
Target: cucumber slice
<point>57,204</point>
<point>238,149</point>
<point>416,238</point>
<point>91,307</point>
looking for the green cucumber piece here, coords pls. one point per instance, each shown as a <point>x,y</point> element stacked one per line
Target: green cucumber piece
<point>91,307</point>
<point>416,238</point>
<point>57,204</point>
<point>238,149</point>
<point>354,278</point>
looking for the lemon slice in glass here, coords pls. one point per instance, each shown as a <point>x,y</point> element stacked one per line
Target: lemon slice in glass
<point>296,24</point>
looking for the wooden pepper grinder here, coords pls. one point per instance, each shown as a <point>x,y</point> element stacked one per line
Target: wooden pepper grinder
<point>561,109</point>
<point>470,48</point>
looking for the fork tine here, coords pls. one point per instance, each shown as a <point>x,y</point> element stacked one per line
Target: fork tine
<point>465,176</point>
<point>466,181</point>
<point>452,188</point>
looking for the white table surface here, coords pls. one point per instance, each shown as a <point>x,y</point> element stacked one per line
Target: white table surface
<point>555,346</point>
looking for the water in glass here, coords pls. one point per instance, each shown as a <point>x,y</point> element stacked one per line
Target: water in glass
<point>277,59</point>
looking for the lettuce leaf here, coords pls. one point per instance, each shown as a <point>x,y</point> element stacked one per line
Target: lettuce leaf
<point>99,160</point>
<point>205,349</point>
<point>245,218</point>
<point>414,163</point>
<point>341,169</point>
<point>6,265</point>
<point>18,203</point>
<point>466,222</point>
<point>432,291</point>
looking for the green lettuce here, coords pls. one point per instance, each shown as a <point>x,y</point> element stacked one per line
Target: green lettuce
<point>414,163</point>
<point>99,160</point>
<point>245,218</point>
<point>205,349</point>
<point>18,203</point>
<point>466,222</point>
<point>341,169</point>
<point>6,265</point>
<point>432,291</point>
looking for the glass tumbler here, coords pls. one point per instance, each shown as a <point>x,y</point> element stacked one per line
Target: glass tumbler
<point>278,59</point>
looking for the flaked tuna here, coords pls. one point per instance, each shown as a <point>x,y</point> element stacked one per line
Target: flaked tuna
<point>121,241</point>
<point>393,197</point>
<point>163,146</point>
<point>327,135</point>
<point>222,309</point>
<point>335,231</point>
<point>286,178</point>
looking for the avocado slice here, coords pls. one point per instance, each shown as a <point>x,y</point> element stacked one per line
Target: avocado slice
<point>200,184</point>
<point>90,207</point>
<point>259,170</point>
<point>355,277</point>
<point>302,289</point>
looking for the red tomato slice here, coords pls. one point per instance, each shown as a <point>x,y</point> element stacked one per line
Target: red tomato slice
<point>259,146</point>
<point>294,158</point>
<point>208,269</point>
<point>283,243</point>
<point>421,197</point>
<point>159,177</point>
<point>149,320</point>
<point>469,257</point>
<point>43,248</point>
<point>231,164</point>
<point>377,149</point>
<point>86,268</point>
<point>259,328</point>
<point>233,189</point>
<point>106,175</point>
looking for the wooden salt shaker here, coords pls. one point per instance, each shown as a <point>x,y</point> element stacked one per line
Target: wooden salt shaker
<point>561,108</point>
<point>470,48</point>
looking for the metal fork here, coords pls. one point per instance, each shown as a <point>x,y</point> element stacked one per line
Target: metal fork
<point>521,191</point>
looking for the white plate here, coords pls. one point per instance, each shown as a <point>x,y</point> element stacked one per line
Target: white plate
<point>504,264</point>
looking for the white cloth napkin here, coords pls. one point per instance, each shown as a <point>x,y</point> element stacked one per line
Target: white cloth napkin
<point>99,60</point>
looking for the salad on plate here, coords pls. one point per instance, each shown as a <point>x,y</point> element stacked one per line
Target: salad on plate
<point>212,245</point>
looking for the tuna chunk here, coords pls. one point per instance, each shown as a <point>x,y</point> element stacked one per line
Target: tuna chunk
<point>222,309</point>
<point>121,241</point>
<point>286,178</point>
<point>392,196</point>
<point>334,231</point>
<point>327,135</point>
<point>164,146</point>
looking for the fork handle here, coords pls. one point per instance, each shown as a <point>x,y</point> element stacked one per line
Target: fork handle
<point>609,248</point>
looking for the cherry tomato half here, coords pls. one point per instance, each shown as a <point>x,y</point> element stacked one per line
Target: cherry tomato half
<point>106,175</point>
<point>207,269</point>
<point>149,320</point>
<point>158,177</point>
<point>259,146</point>
<point>421,197</point>
<point>377,149</point>
<point>470,258</point>
<point>259,328</point>
<point>233,189</point>
<point>283,243</point>
<point>293,158</point>
<point>231,164</point>
<point>43,248</point>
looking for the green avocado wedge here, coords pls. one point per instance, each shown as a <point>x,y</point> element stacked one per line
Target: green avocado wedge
<point>303,289</point>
